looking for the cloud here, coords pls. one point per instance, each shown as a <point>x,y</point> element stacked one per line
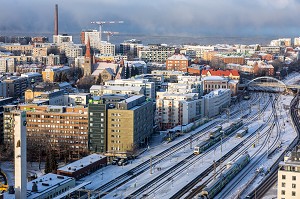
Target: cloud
<point>156,17</point>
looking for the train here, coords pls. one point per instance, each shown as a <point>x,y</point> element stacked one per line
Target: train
<point>241,133</point>
<point>215,136</point>
<point>228,174</point>
<point>215,132</point>
<point>199,148</point>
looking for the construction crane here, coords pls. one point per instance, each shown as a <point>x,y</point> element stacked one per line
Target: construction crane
<point>109,33</point>
<point>100,23</point>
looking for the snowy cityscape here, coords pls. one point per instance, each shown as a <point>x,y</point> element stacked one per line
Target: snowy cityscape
<point>124,107</point>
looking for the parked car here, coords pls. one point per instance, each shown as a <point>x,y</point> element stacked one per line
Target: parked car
<point>123,162</point>
<point>115,161</point>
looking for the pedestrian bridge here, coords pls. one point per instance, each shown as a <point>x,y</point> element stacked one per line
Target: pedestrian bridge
<point>270,84</point>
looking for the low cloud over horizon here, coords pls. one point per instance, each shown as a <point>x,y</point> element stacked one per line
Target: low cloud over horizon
<point>168,17</point>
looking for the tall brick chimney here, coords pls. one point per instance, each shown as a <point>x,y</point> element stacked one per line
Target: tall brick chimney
<point>56,20</point>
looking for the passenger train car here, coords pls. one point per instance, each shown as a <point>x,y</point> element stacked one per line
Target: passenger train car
<point>228,174</point>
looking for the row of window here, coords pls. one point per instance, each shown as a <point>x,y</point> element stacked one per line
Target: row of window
<point>283,192</point>
<point>283,185</point>
<point>284,177</point>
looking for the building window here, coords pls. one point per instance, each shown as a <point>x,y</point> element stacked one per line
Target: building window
<point>283,177</point>
<point>282,192</point>
<point>293,185</point>
<point>293,193</point>
<point>283,184</point>
<point>293,177</point>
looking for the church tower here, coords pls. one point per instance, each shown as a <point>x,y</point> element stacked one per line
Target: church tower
<point>87,67</point>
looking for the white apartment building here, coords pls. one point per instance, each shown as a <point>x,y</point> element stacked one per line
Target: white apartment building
<point>7,64</point>
<point>270,49</point>
<point>169,76</point>
<point>75,99</point>
<point>174,109</point>
<point>281,42</point>
<point>73,50</point>
<point>289,175</point>
<point>149,91</point>
<point>107,48</point>
<point>59,39</point>
<point>199,50</point>
<point>297,41</point>
<point>157,55</point>
<point>215,101</point>
<point>99,90</point>
<point>93,35</point>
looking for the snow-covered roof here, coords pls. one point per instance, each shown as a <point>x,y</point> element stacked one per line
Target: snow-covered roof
<point>46,183</point>
<point>178,57</point>
<point>79,164</point>
<point>214,78</point>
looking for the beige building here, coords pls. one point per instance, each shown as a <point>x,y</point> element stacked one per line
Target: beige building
<point>39,51</point>
<point>52,72</point>
<point>289,175</point>
<point>212,83</point>
<point>127,126</point>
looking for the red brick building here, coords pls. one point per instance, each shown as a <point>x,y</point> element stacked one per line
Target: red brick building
<point>177,62</point>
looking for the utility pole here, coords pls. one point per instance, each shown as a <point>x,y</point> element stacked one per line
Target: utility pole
<point>214,169</point>
<point>150,164</point>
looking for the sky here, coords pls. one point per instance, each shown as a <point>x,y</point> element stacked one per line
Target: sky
<point>156,17</point>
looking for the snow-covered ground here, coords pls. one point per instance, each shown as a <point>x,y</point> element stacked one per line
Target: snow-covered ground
<point>197,166</point>
<point>110,172</point>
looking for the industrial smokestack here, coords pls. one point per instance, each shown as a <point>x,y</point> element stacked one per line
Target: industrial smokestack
<point>56,20</point>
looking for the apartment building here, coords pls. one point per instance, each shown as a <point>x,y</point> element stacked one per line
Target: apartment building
<point>118,125</point>
<point>60,39</point>
<point>281,42</point>
<point>18,49</point>
<point>178,63</point>
<point>212,83</point>
<point>231,74</point>
<point>92,35</point>
<point>107,48</point>
<point>169,76</point>
<point>39,51</point>
<point>174,109</point>
<point>289,175</point>
<point>215,101</point>
<point>7,64</point>
<point>99,90</point>
<point>32,77</point>
<point>63,128</point>
<point>127,126</point>
<point>52,72</point>
<point>16,86</point>
<point>149,87</point>
<point>156,53</point>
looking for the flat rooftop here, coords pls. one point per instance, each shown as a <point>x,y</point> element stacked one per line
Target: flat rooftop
<point>84,162</point>
<point>46,183</point>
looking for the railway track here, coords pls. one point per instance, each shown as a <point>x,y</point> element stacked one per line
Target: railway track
<point>181,166</point>
<point>252,166</point>
<point>133,173</point>
<point>199,178</point>
<point>271,178</point>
